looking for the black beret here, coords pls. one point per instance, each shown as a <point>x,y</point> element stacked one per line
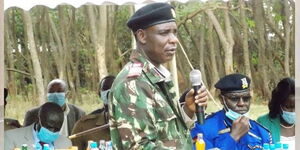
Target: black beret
<point>233,82</point>
<point>152,14</point>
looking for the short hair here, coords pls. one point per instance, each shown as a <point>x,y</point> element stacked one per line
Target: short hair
<point>60,81</point>
<point>280,94</point>
<point>50,109</point>
<point>110,79</point>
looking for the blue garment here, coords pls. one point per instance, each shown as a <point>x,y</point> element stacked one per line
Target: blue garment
<point>37,140</point>
<point>216,134</point>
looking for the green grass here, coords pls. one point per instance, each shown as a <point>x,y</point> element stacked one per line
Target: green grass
<point>18,105</point>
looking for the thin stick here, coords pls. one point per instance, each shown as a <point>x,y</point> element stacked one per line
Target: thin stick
<point>89,131</point>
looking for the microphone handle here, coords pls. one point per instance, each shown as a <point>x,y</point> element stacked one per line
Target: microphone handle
<point>199,109</point>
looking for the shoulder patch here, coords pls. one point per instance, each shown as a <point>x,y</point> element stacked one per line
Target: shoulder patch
<point>135,70</point>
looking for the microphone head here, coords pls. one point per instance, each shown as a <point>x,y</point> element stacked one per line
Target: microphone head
<point>195,77</point>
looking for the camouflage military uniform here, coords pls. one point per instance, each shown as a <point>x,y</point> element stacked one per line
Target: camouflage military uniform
<point>144,113</point>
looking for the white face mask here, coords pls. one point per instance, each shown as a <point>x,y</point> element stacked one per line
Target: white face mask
<point>288,117</point>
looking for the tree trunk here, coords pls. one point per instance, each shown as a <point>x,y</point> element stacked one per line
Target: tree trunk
<point>245,39</point>
<point>287,35</point>
<point>200,38</point>
<point>67,50</point>
<point>258,13</point>
<point>212,51</point>
<point>8,46</point>
<point>102,32</point>
<point>111,44</point>
<point>34,57</point>
<point>59,53</point>
<point>98,37</point>
<point>226,41</point>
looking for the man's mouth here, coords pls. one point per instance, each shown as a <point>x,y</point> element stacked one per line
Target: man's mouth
<point>171,51</point>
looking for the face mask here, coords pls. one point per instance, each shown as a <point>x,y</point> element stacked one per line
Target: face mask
<point>104,96</point>
<point>58,98</point>
<point>288,117</point>
<point>232,115</point>
<point>47,136</point>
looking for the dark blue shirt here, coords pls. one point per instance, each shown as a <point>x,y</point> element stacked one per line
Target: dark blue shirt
<point>216,134</point>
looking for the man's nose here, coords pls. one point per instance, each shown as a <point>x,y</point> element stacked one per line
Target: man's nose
<point>173,38</point>
<point>241,102</point>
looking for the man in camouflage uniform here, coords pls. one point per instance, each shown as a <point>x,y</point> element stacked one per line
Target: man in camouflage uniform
<point>144,113</point>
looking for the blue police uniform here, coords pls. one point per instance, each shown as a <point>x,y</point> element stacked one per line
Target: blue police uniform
<point>216,134</point>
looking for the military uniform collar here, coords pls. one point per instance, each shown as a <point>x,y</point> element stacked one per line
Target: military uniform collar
<point>155,74</point>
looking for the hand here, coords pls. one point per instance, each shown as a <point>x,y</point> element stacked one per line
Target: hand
<point>239,128</point>
<point>191,100</point>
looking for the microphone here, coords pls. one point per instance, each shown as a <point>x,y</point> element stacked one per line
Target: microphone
<point>195,78</point>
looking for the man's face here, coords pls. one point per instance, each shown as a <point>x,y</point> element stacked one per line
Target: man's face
<point>238,102</point>
<point>52,122</point>
<point>160,42</point>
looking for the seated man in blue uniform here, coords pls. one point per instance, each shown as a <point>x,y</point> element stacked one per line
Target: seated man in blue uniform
<point>230,128</point>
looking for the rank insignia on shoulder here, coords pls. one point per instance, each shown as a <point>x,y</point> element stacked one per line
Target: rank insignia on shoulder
<point>135,70</point>
<point>226,130</point>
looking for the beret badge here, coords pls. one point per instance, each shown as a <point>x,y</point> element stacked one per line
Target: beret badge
<point>173,13</point>
<point>244,83</point>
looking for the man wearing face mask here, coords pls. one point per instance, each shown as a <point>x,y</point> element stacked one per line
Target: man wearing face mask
<point>97,118</point>
<point>230,128</point>
<point>56,93</point>
<point>44,131</point>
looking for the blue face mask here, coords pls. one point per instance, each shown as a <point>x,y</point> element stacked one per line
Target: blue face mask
<point>58,98</point>
<point>46,135</point>
<point>232,115</point>
<point>288,117</point>
<point>104,96</point>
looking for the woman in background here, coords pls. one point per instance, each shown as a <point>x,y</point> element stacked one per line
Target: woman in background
<point>281,117</point>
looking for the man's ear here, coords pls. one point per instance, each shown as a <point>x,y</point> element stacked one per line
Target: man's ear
<point>141,36</point>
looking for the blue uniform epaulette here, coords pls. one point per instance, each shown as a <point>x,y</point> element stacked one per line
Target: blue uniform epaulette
<point>135,70</point>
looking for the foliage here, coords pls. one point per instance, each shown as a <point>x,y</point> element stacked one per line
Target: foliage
<point>83,55</point>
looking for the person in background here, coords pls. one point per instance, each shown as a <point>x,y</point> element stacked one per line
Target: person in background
<point>95,119</point>
<point>230,128</point>
<point>56,93</point>
<point>44,131</point>
<point>281,117</point>
<point>8,122</point>
<point>144,112</point>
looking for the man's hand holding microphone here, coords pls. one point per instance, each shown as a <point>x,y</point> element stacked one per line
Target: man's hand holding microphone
<point>196,98</point>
